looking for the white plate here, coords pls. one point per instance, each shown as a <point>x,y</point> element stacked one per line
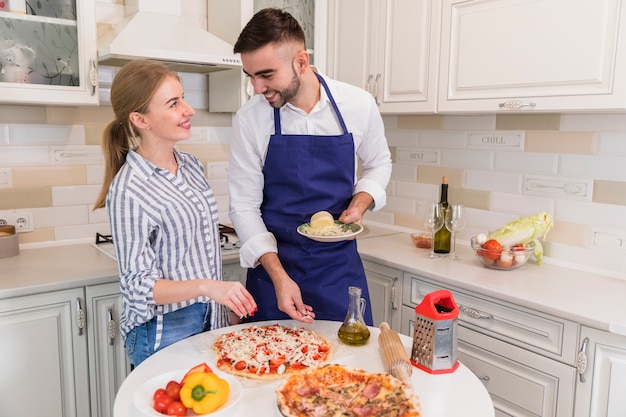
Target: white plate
<point>143,395</point>
<point>355,229</point>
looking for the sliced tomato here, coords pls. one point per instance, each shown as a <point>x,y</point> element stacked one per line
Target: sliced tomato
<point>203,367</point>
<point>240,365</point>
<point>323,348</point>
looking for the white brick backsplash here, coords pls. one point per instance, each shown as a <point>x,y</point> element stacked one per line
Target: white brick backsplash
<point>488,180</point>
<point>380,216</point>
<point>440,139</point>
<point>390,122</point>
<point>522,205</point>
<point>598,167</point>
<point>76,155</point>
<point>216,170</point>
<point>594,214</point>
<point>473,122</point>
<point>401,205</point>
<point>612,143</point>
<point>61,216</point>
<point>74,194</point>
<point>418,156</point>
<point>219,135</point>
<point>14,156</point>
<point>219,186</point>
<point>402,137</point>
<point>95,174</point>
<point>404,172</point>
<point>222,203</point>
<point>46,134</point>
<point>599,260</point>
<point>84,231</point>
<point>97,216</point>
<point>497,141</point>
<point>538,163</point>
<point>6,178</point>
<point>466,159</point>
<point>422,192</point>
<point>561,187</point>
<point>593,122</point>
<point>485,221</point>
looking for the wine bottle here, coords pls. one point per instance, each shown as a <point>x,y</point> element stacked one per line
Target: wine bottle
<point>442,236</point>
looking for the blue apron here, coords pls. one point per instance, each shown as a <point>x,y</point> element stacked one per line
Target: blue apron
<point>305,174</point>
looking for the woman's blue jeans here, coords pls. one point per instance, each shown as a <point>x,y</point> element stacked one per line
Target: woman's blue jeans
<point>177,325</point>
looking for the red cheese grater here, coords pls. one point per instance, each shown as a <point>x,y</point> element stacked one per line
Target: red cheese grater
<point>435,335</point>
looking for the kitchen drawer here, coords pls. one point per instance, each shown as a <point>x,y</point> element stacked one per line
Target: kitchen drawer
<point>520,383</point>
<point>548,335</point>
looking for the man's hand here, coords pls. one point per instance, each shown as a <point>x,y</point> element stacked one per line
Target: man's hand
<point>358,205</point>
<point>288,295</point>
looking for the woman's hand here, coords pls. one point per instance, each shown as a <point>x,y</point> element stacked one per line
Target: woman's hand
<point>233,295</point>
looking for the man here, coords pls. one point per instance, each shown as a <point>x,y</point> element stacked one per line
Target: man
<point>293,153</point>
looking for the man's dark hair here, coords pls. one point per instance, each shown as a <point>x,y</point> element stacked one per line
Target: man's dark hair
<point>267,26</point>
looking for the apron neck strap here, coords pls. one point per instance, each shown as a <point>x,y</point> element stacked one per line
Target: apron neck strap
<point>277,128</point>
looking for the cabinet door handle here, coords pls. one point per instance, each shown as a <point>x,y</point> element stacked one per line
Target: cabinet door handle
<point>474,313</point>
<point>367,84</point>
<point>483,378</point>
<point>80,317</point>
<point>393,294</point>
<point>515,104</point>
<point>93,75</point>
<point>111,326</point>
<point>375,89</point>
<point>581,360</point>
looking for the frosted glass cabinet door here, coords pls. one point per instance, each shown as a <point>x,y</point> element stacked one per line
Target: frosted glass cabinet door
<point>48,53</point>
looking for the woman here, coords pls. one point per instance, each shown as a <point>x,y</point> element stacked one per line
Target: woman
<point>163,217</point>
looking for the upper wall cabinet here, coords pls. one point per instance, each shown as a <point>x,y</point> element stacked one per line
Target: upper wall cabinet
<point>48,53</point>
<point>539,55</point>
<point>388,47</point>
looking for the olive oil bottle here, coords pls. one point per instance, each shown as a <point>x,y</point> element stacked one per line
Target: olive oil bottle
<point>354,331</point>
<point>442,236</point>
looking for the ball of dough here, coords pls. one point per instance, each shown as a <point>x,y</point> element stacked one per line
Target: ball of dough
<point>322,219</point>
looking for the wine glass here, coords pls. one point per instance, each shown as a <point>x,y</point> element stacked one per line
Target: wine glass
<point>433,221</point>
<point>455,221</point>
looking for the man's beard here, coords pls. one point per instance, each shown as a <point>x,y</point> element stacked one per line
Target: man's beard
<point>288,93</point>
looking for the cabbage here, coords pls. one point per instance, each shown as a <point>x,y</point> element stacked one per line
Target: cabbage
<point>525,230</point>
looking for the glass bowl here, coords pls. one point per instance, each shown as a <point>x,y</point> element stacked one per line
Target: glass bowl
<point>506,259</point>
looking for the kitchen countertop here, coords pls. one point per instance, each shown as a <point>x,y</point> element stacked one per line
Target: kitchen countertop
<point>591,299</point>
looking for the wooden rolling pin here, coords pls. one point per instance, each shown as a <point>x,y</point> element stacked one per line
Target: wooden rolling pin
<point>395,358</point>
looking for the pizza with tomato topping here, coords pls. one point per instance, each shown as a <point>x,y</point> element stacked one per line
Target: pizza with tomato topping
<point>269,352</point>
<point>339,391</point>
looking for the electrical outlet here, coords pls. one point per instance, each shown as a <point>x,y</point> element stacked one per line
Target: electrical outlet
<point>22,220</point>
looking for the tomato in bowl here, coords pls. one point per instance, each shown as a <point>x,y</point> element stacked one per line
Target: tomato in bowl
<point>495,256</point>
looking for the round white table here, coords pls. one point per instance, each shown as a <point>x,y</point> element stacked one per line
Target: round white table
<point>459,393</point>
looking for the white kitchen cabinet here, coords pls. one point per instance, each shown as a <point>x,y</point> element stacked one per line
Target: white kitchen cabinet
<point>48,55</point>
<point>388,47</point>
<point>43,355</point>
<point>543,55</point>
<point>108,362</point>
<point>525,358</point>
<point>601,385</point>
<point>385,286</point>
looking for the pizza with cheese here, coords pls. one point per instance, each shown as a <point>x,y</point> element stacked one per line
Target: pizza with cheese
<point>270,352</point>
<point>336,391</point>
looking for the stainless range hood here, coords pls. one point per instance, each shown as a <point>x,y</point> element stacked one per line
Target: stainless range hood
<point>154,29</point>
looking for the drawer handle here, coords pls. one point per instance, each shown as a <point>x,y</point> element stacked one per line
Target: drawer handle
<point>515,104</point>
<point>581,360</point>
<point>475,314</point>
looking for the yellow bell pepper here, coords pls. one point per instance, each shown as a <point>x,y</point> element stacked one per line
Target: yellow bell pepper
<point>204,392</point>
